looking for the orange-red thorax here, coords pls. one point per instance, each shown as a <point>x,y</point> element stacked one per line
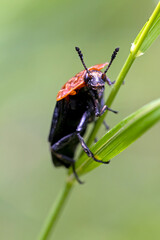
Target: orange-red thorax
<point>76,82</point>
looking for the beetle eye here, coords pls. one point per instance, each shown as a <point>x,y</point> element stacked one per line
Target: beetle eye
<point>104,77</point>
<point>88,77</point>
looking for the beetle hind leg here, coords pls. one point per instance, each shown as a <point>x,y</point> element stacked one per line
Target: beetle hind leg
<point>67,160</point>
<point>75,174</point>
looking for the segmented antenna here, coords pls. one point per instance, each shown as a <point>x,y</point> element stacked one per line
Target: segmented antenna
<point>112,58</point>
<point>81,57</point>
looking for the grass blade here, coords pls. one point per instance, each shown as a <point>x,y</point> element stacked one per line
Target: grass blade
<point>153,33</point>
<point>121,136</point>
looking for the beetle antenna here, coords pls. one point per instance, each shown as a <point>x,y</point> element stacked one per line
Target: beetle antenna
<point>112,58</point>
<point>81,57</point>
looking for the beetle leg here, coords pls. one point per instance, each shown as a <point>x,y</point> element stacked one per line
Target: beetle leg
<point>107,128</point>
<point>87,151</point>
<point>109,81</point>
<point>105,107</point>
<point>106,125</point>
<point>62,142</point>
<point>66,159</point>
<point>75,174</point>
<point>80,128</point>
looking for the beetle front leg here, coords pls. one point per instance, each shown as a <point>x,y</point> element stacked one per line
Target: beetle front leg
<point>80,128</point>
<point>105,107</point>
<point>109,81</point>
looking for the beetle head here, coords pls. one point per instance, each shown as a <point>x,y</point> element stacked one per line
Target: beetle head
<point>93,78</point>
<point>96,86</point>
<point>95,82</point>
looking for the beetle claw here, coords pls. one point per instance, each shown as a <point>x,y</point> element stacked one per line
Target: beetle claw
<point>75,174</point>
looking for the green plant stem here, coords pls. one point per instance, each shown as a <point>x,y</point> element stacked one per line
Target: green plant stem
<point>55,211</point>
<point>58,205</point>
<point>133,54</point>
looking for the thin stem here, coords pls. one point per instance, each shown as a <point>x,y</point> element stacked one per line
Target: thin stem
<point>58,205</point>
<point>133,52</point>
<point>55,212</point>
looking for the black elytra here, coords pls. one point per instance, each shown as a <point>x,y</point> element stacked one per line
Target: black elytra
<point>74,112</point>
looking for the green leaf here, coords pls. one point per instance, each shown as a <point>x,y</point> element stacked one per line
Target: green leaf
<point>152,35</point>
<point>120,137</point>
<point>149,33</point>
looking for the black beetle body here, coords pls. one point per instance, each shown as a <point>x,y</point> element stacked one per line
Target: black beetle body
<point>72,115</point>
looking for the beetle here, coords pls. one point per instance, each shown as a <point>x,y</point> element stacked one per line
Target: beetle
<point>79,102</point>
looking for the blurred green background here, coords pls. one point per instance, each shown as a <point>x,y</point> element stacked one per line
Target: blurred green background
<point>37,56</point>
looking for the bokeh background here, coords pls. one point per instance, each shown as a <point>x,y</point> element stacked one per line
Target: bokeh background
<point>37,56</point>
